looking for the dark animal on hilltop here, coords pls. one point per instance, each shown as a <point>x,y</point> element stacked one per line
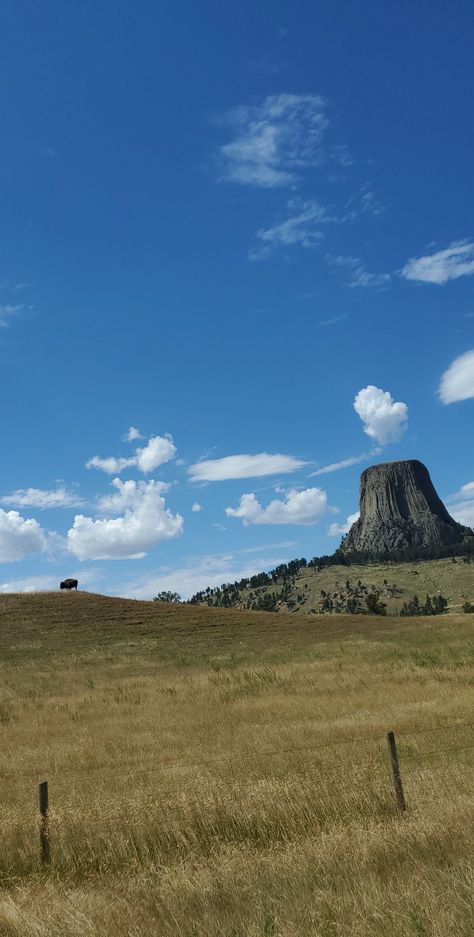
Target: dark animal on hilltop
<point>69,584</point>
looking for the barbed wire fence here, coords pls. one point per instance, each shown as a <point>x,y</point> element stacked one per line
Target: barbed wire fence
<point>399,764</point>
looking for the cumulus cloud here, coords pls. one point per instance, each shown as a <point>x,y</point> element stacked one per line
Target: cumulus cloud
<point>298,507</point>
<point>145,522</point>
<point>111,465</point>
<point>335,530</point>
<point>127,495</point>
<point>384,419</point>
<point>38,498</point>
<point>20,537</point>
<point>132,433</point>
<point>273,140</point>
<point>457,383</point>
<point>301,228</point>
<point>196,507</point>
<point>453,262</point>
<point>158,450</point>
<point>244,466</point>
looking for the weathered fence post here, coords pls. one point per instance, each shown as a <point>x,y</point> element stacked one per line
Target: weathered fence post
<point>44,822</point>
<point>395,766</point>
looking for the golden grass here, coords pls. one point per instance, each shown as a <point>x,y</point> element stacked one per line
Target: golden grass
<point>224,774</point>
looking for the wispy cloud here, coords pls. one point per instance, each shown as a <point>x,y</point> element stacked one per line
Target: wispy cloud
<point>8,311</point>
<point>302,228</point>
<point>357,273</point>
<point>461,505</point>
<point>334,320</point>
<point>39,498</point>
<point>364,202</point>
<point>297,507</point>
<point>45,583</point>
<point>344,463</point>
<point>457,383</point>
<point>456,260</point>
<point>198,572</point>
<point>272,141</point>
<point>244,466</point>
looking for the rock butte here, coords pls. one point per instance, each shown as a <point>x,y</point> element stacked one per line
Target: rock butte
<point>400,508</point>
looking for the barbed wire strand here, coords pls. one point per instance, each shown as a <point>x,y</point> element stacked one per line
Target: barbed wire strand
<point>277,751</point>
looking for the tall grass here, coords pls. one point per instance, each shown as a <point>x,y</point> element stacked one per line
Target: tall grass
<point>226,774</point>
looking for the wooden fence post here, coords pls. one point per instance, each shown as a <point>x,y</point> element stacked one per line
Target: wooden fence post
<point>396,776</point>
<point>44,822</point>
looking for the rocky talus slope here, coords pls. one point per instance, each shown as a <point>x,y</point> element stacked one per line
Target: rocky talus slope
<point>400,508</point>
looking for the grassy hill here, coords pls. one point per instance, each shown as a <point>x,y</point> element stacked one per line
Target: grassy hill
<point>396,582</point>
<point>219,773</point>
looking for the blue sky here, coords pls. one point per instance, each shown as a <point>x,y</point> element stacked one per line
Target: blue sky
<point>236,269</point>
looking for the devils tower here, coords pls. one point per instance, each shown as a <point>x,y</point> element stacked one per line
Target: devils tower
<point>400,508</point>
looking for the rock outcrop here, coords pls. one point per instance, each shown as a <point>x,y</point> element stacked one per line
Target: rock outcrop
<point>399,508</point>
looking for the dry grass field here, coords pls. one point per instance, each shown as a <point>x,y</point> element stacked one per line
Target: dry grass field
<point>219,773</point>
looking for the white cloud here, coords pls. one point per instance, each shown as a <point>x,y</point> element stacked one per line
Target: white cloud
<point>127,495</point>
<point>467,490</point>
<point>384,419</point>
<point>298,507</point>
<point>158,450</point>
<point>344,463</point>
<point>457,383</point>
<point>301,228</point>
<point>334,320</point>
<point>47,583</point>
<point>463,512</point>
<point>461,505</point>
<point>132,433</point>
<point>337,530</point>
<point>30,584</point>
<point>196,507</point>
<point>145,523</point>
<point>38,498</point>
<point>358,275</point>
<point>272,141</point>
<point>453,262</point>
<point>110,465</point>
<point>199,572</point>
<point>364,202</point>
<point>20,537</point>
<point>7,312</point>
<point>244,466</point>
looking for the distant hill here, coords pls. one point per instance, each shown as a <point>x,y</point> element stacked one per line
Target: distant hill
<point>306,587</point>
<point>404,554</point>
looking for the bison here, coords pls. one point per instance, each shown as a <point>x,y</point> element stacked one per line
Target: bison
<point>69,584</point>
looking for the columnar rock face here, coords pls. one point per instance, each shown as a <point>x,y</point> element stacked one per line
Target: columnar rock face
<point>399,508</point>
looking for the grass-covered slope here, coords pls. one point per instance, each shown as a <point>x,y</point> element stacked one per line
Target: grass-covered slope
<point>397,583</point>
<point>218,773</point>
